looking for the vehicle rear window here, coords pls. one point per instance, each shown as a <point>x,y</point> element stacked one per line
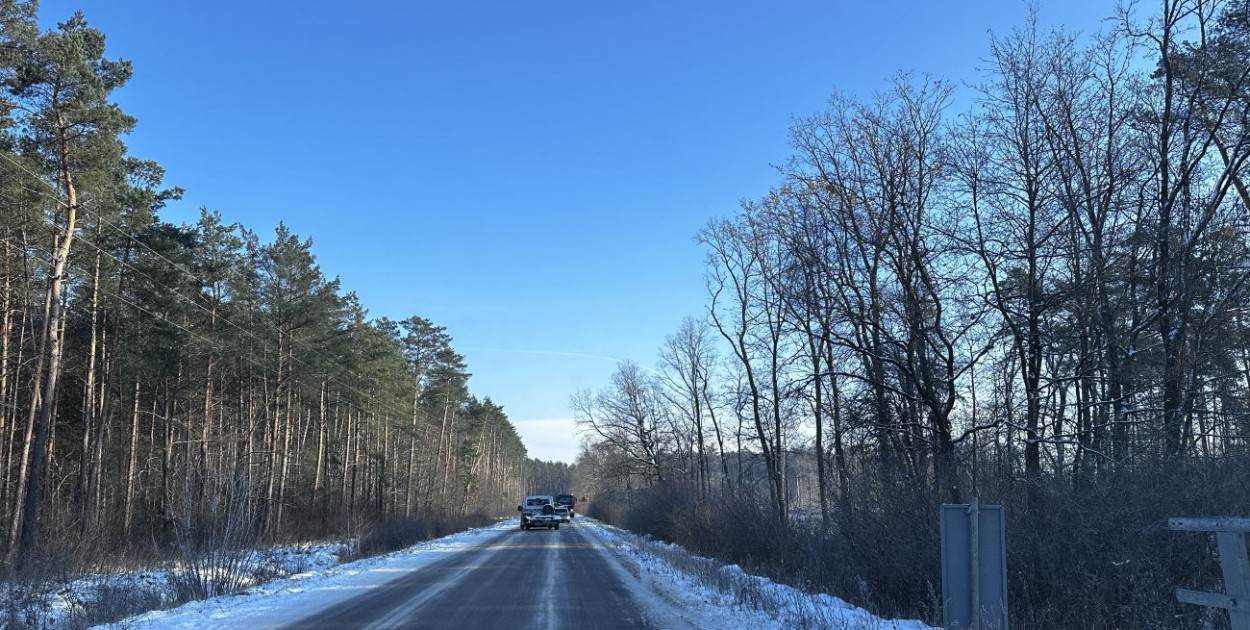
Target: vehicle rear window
<point>565,498</point>
<point>536,502</point>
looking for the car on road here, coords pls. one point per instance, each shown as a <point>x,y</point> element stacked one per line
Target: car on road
<point>538,510</point>
<point>569,501</point>
<point>563,514</point>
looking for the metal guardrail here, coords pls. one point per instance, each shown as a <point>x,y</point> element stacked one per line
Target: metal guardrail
<point>1210,524</point>
<point>1230,537</point>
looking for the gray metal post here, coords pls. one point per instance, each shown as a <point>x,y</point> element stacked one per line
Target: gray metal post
<point>974,567</point>
<point>1236,574</point>
<point>974,546</point>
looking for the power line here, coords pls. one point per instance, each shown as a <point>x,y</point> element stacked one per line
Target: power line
<point>249,357</point>
<point>293,339</point>
<point>363,395</point>
<point>191,275</point>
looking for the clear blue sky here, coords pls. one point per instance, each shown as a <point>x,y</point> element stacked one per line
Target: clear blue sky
<point>528,174</point>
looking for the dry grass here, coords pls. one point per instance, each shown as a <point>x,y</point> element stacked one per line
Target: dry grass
<point>1098,557</point>
<point>792,608</point>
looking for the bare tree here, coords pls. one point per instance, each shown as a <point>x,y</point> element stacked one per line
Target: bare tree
<point>686,361</point>
<point>629,415</point>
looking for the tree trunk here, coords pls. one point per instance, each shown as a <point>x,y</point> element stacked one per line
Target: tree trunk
<point>26,521</point>
<point>132,469</point>
<point>85,472</point>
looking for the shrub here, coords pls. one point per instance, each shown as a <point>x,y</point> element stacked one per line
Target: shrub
<point>397,533</point>
<point>109,603</point>
<point>1099,556</point>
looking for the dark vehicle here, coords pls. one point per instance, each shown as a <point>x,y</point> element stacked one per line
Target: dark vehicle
<point>569,501</point>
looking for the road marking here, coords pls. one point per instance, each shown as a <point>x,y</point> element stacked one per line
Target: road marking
<point>547,614</point>
<point>408,608</point>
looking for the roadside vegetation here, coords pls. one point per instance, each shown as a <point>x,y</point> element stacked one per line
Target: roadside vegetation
<point>1035,298</point>
<point>674,573</point>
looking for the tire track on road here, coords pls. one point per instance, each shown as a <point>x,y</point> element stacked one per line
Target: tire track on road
<point>517,580</point>
<point>411,590</point>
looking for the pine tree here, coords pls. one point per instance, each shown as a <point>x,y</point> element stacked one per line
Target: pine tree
<point>62,87</point>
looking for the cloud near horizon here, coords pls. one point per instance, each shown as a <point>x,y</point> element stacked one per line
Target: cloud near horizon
<point>550,439</point>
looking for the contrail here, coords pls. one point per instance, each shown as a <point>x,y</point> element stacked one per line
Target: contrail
<point>559,353</point>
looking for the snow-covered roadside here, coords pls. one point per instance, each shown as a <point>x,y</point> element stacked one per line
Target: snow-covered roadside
<point>718,596</point>
<point>673,585</point>
<point>276,603</point>
<point>92,598</point>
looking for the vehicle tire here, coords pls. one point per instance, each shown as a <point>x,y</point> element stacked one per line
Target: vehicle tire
<point>557,526</point>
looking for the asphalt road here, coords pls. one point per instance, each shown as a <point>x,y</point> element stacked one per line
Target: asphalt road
<point>519,580</point>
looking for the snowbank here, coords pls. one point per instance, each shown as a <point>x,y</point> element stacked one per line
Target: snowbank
<point>728,597</point>
<point>58,605</point>
<point>699,592</point>
<point>286,600</point>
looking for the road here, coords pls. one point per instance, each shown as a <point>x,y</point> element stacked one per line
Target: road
<point>516,580</point>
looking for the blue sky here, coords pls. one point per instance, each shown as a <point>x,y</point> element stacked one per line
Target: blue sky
<point>528,174</point>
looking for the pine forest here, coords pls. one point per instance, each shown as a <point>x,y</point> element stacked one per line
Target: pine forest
<point>195,386</point>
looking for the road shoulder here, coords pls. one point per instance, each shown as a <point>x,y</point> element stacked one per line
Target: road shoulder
<point>278,603</point>
<point>706,594</point>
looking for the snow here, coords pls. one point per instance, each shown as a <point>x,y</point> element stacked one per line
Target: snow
<point>287,600</point>
<point>55,604</point>
<point>710,595</point>
<point>682,589</point>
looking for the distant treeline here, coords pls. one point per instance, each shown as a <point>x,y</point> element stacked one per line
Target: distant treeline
<point>542,477</point>
<point>1041,301</point>
<point>194,386</point>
